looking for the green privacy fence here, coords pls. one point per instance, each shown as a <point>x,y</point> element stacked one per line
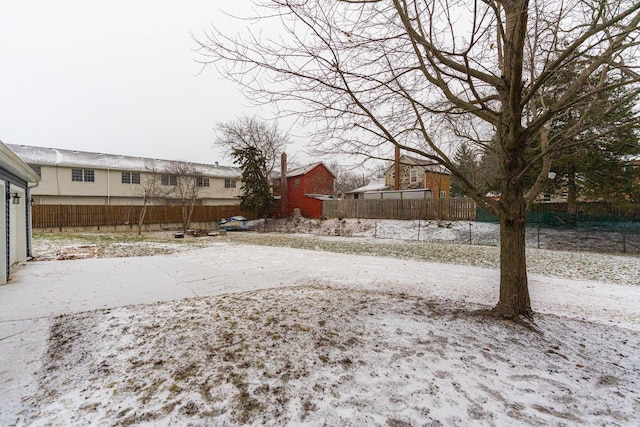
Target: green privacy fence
<point>598,215</point>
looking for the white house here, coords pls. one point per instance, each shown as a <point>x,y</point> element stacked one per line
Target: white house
<point>376,185</point>
<point>72,177</point>
<point>17,180</point>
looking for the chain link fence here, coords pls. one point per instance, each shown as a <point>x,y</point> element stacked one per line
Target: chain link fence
<point>598,227</point>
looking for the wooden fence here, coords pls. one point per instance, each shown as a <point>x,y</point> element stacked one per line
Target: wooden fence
<point>437,209</point>
<point>62,216</point>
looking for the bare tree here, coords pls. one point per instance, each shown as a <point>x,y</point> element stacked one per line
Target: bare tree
<point>185,182</point>
<point>151,191</point>
<point>427,75</point>
<point>249,133</point>
<point>346,178</point>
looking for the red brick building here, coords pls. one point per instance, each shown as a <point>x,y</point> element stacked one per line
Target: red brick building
<point>306,188</point>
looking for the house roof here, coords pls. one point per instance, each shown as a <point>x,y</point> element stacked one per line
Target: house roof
<point>12,163</point>
<point>426,164</point>
<point>374,185</point>
<point>71,158</point>
<point>302,170</point>
<point>320,196</point>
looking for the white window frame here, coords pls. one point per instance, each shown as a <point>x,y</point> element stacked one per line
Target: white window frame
<point>131,177</point>
<point>76,175</point>
<point>167,179</point>
<point>83,175</point>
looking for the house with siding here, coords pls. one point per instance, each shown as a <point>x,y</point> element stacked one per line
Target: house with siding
<point>17,181</point>
<point>420,174</point>
<point>71,177</point>
<point>376,185</point>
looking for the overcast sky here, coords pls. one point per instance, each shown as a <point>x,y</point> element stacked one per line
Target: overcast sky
<point>115,77</point>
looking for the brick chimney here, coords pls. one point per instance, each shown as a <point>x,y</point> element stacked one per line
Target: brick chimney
<point>284,191</point>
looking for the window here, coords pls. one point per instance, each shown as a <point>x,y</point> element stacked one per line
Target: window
<point>82,175</point>
<point>229,183</point>
<point>297,183</point>
<point>413,176</point>
<point>443,194</point>
<point>203,181</point>
<point>169,180</point>
<point>130,178</point>
<point>37,169</point>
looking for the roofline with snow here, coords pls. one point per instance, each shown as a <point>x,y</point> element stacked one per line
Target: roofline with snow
<point>427,167</point>
<point>13,164</point>
<point>302,170</point>
<point>47,156</point>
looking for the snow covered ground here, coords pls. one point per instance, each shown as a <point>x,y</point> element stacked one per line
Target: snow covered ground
<point>625,238</point>
<point>226,331</point>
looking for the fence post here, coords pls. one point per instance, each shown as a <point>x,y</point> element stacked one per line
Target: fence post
<point>419,230</point>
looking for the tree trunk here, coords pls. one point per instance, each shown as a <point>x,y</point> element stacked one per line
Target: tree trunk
<point>187,213</point>
<point>143,213</point>
<point>572,196</point>
<point>514,289</point>
<point>184,218</point>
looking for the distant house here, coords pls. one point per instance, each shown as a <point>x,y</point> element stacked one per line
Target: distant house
<point>17,180</point>
<point>307,187</point>
<point>375,185</point>
<point>420,174</point>
<point>83,178</point>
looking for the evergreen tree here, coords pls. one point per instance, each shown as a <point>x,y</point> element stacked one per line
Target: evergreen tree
<point>257,196</point>
<point>596,167</point>
<point>468,164</point>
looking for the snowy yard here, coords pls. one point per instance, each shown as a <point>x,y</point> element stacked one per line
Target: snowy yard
<point>316,330</point>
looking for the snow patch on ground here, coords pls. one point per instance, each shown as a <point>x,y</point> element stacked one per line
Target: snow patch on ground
<point>319,355</point>
<point>356,322</point>
<point>606,268</point>
<point>465,232</point>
